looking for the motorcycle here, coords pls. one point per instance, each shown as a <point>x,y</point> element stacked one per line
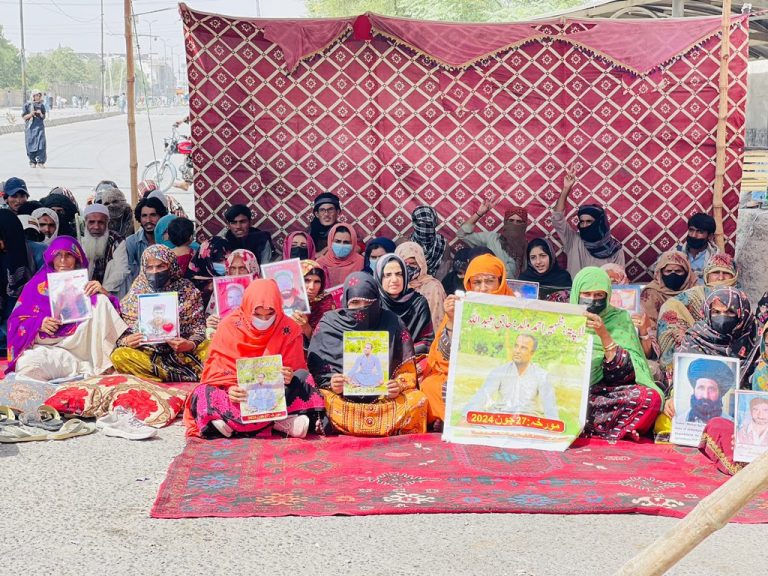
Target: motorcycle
<point>163,172</point>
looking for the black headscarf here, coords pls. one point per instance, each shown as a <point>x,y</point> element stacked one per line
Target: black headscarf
<point>597,236</point>
<point>14,261</point>
<point>326,350</point>
<point>67,220</point>
<point>380,242</point>
<point>555,277</point>
<point>200,269</point>
<point>410,306</point>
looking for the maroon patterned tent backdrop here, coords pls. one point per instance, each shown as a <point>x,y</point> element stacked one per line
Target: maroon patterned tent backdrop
<point>390,114</point>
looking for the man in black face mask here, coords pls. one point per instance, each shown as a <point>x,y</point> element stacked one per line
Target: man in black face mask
<point>592,244</point>
<point>698,245</point>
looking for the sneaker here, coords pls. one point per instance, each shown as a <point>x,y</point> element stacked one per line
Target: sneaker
<point>126,425</point>
<point>111,418</point>
<point>294,426</point>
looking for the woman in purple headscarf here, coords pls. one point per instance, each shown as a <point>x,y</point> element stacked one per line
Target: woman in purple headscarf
<point>40,346</point>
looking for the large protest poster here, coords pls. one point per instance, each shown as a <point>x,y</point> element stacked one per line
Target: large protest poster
<point>519,373</point>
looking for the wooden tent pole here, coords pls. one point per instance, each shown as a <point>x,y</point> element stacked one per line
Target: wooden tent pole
<point>722,115</point>
<point>710,515</point>
<point>130,93</point>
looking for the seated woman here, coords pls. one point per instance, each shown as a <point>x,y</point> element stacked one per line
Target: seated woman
<point>727,328</point>
<point>207,263</point>
<point>419,280</point>
<point>554,282</point>
<point>374,250</point>
<point>257,328</point>
<point>299,245</point>
<point>623,398</point>
<point>680,312</point>
<point>404,409</point>
<point>177,233</point>
<point>320,301</point>
<point>180,359</point>
<point>342,257</point>
<point>410,306</point>
<point>454,280</point>
<point>240,262</point>
<point>43,348</point>
<point>673,275</point>
<point>485,273</point>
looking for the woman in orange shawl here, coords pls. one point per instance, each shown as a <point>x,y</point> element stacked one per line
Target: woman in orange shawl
<point>257,328</point>
<point>487,274</point>
<point>342,257</point>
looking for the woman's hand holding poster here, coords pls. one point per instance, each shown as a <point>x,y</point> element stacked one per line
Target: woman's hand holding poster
<point>519,373</point>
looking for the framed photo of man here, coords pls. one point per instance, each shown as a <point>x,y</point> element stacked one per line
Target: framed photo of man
<point>290,281</point>
<point>751,425</point>
<point>519,373</point>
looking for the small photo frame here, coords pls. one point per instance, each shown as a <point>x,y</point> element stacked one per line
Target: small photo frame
<point>159,316</point>
<point>228,292</point>
<point>751,425</point>
<point>366,363</point>
<point>626,297</point>
<point>66,291</point>
<point>704,388</point>
<point>523,289</point>
<point>290,281</point>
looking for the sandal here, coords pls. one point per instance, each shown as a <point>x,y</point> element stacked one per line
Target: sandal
<point>8,416</point>
<point>13,434</point>
<point>72,428</point>
<point>46,418</point>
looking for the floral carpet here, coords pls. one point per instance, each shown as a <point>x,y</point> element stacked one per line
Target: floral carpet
<point>421,474</point>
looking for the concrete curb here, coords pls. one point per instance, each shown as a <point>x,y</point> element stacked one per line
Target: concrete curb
<point>59,121</point>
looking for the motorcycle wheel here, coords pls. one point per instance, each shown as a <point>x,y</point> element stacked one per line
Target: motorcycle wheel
<point>163,173</point>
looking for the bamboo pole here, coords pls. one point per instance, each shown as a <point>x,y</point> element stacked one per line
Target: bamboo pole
<point>722,115</point>
<point>130,93</point>
<point>710,515</point>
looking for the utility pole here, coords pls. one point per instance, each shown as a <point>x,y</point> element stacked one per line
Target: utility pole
<point>23,56</point>
<point>103,104</point>
<point>130,89</point>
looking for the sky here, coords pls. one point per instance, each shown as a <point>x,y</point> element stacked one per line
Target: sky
<point>49,24</point>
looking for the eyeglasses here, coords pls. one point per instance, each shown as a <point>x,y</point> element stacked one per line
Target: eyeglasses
<point>330,210</point>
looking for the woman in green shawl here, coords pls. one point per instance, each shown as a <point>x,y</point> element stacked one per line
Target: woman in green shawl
<point>623,398</point>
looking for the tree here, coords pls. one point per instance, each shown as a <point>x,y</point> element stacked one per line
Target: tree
<point>10,63</point>
<point>446,10</point>
<point>60,65</point>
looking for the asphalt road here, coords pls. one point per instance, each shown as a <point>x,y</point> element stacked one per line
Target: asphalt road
<point>82,506</point>
<point>83,153</point>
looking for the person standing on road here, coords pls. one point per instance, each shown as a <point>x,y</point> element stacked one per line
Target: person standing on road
<point>34,132</point>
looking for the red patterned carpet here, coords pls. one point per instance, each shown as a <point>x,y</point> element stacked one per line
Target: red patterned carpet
<point>421,474</point>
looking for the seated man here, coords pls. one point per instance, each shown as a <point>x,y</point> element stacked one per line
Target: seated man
<point>326,210</point>
<point>146,213</point>
<point>593,244</point>
<point>15,193</point>
<point>517,387</point>
<point>106,251</point>
<point>699,244</point>
<point>243,235</point>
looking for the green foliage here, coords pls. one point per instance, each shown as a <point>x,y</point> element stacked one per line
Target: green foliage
<point>249,368</point>
<point>354,342</point>
<point>10,63</point>
<point>445,10</point>
<point>60,65</point>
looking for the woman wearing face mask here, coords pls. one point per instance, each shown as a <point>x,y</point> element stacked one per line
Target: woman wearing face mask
<point>180,359</point>
<point>299,245</point>
<point>623,398</point>
<point>257,328</point>
<point>239,263</point>
<point>374,250</point>
<point>435,247</point>
<point>342,257</point>
<point>508,244</point>
<point>681,311</point>
<point>485,274</point>
<point>410,306</point>
<point>421,281</point>
<point>592,244</point>
<point>43,348</point>
<point>554,282</point>
<point>320,301</point>
<point>209,261</point>
<point>403,410</point>
<point>728,328</point>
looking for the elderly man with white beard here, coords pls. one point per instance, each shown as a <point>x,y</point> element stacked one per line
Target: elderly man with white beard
<point>106,251</point>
